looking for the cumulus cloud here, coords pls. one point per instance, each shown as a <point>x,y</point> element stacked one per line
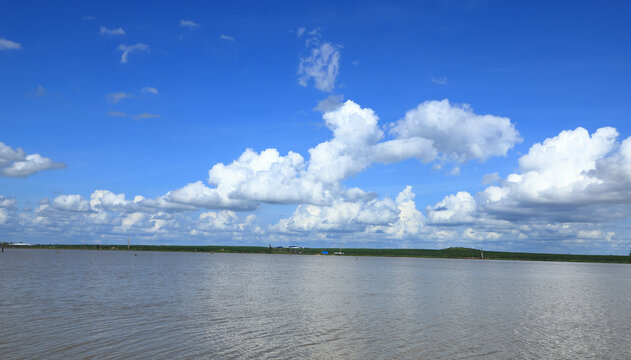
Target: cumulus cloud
<point>8,155</point>
<point>322,65</point>
<point>128,49</point>
<point>198,194</point>
<point>453,209</point>
<point>226,37</point>
<point>269,177</point>
<point>73,202</point>
<point>9,45</point>
<point>189,24</point>
<point>224,220</point>
<point>572,177</point>
<point>367,218</point>
<point>341,216</point>
<point>4,216</point>
<point>457,133</point>
<point>316,185</point>
<point>7,203</point>
<point>569,170</point>
<point>105,31</point>
<point>410,223</point>
<point>107,200</point>
<point>16,163</point>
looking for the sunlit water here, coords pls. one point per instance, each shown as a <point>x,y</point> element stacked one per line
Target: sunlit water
<point>108,304</point>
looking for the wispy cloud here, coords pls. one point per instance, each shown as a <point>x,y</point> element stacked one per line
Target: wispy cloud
<point>116,113</point>
<point>439,80</point>
<point>106,31</point>
<point>146,116</point>
<point>149,90</point>
<point>118,96</point>
<point>322,65</point>
<point>189,24</point>
<point>9,45</point>
<point>128,49</point>
<point>226,37</point>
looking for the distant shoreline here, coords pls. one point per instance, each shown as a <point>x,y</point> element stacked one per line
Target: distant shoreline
<point>449,253</point>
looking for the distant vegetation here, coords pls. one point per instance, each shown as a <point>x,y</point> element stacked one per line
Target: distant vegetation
<point>449,253</point>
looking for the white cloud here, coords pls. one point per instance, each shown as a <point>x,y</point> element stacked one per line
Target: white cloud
<point>7,209</point>
<point>4,216</point>
<point>9,45</point>
<point>7,203</point>
<point>146,116</point>
<point>322,65</point>
<point>453,209</point>
<point>189,24</point>
<point>571,169</point>
<point>226,37</point>
<point>72,202</point>
<point>457,133</point>
<point>107,200</point>
<point>128,49</point>
<point>410,223</point>
<point>328,210</point>
<point>15,163</point>
<point>224,220</point>
<point>198,194</point>
<point>356,144</point>
<point>105,31</point>
<point>149,90</point>
<point>572,177</point>
<point>341,216</point>
<point>118,96</point>
<point>268,177</point>
<point>8,155</point>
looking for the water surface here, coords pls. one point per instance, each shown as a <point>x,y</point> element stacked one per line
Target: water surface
<point>109,304</point>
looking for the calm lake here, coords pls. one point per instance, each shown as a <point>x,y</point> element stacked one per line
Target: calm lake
<point>112,305</point>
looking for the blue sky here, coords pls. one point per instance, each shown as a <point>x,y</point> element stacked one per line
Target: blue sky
<point>500,147</point>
